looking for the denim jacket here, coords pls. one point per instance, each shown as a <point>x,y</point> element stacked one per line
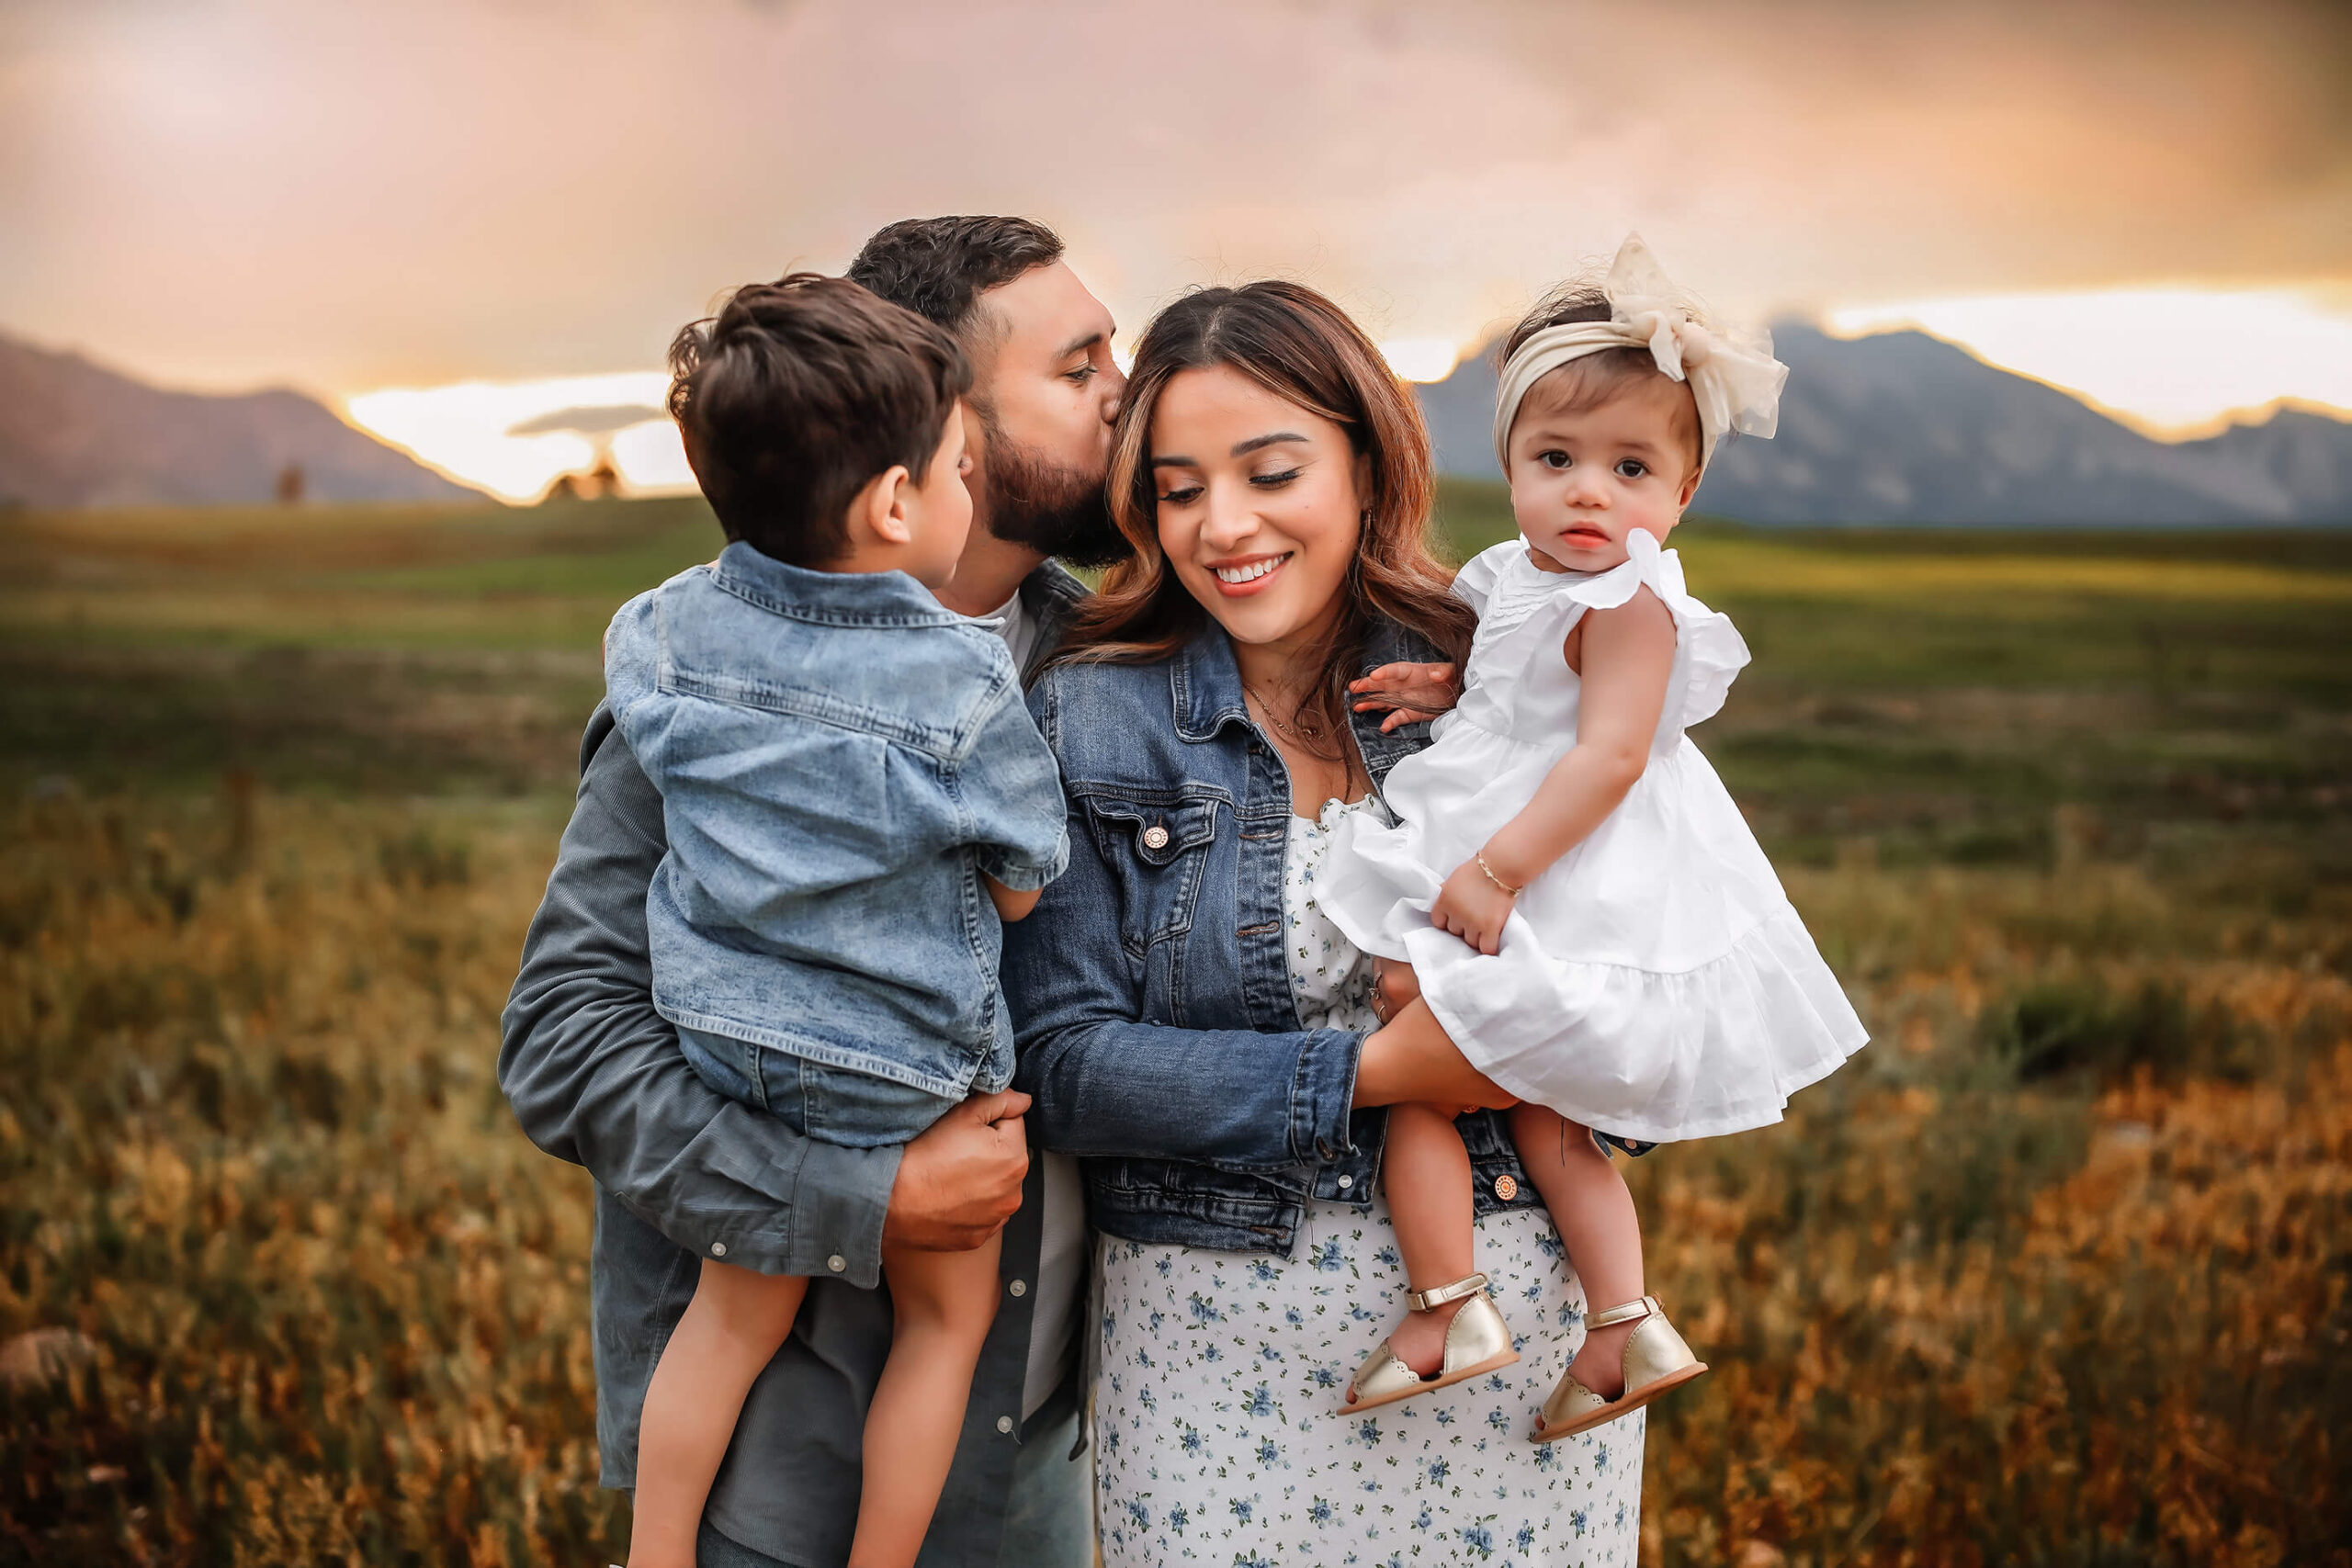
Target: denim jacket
<point>841,759</point>
<point>1150,991</point>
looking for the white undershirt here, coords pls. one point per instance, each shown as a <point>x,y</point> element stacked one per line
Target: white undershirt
<point>1061,1243</point>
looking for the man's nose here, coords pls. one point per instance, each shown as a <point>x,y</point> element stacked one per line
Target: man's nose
<point>1114,393</point>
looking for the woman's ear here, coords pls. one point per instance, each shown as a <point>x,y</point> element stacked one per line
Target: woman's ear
<point>1366,483</point>
<point>879,512</point>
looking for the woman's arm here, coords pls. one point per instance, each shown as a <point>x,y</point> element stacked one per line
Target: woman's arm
<point>1627,656</point>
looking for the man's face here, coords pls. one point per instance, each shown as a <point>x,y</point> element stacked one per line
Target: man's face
<point>1046,395</point>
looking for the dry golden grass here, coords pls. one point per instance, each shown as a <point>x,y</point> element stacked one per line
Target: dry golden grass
<point>306,1297</point>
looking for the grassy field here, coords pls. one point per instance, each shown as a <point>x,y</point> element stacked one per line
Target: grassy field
<point>2054,1273</point>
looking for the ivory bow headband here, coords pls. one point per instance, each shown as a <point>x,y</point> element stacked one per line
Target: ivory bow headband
<point>1733,376</point>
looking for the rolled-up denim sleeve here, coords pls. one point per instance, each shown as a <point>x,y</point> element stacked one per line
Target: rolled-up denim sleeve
<point>1106,1083</point>
<point>595,1075</point>
<point>1012,788</point>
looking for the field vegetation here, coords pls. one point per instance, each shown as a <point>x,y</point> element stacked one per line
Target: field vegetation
<point>2056,1272</point>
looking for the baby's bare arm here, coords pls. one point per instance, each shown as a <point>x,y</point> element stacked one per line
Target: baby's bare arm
<point>1010,906</point>
<point>1628,655</point>
<point>1625,657</point>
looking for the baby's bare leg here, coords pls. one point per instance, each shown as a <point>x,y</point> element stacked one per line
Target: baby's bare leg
<point>944,1303</point>
<point>1426,1172</point>
<point>1590,1202</point>
<point>731,1329</point>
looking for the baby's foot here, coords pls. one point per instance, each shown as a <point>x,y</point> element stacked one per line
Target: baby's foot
<point>1420,1340</point>
<point>1599,1361</point>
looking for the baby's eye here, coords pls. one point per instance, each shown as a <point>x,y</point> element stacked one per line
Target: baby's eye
<point>1632,469</point>
<point>1554,458</point>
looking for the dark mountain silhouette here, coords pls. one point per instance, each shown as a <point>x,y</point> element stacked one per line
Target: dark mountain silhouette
<point>1906,428</point>
<point>73,434</point>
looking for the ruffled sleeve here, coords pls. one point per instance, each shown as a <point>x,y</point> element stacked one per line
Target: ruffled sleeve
<point>1475,583</point>
<point>1709,652</point>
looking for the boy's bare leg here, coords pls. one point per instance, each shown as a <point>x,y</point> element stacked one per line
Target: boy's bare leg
<point>943,1303</point>
<point>731,1329</point>
<point>1590,1202</point>
<point>1426,1172</point>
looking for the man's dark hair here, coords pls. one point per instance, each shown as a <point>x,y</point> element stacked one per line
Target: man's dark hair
<point>796,395</point>
<point>939,267</point>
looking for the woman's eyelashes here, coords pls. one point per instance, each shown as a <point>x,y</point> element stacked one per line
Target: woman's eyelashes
<point>1277,480</point>
<point>1185,495</point>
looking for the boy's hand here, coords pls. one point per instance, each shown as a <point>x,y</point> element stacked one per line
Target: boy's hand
<point>959,1180</point>
<point>1415,691</point>
<point>1472,908</point>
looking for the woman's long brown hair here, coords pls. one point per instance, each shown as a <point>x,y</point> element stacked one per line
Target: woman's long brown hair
<point>1303,349</point>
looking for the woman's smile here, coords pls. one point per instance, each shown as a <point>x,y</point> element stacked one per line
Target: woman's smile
<point>1250,574</point>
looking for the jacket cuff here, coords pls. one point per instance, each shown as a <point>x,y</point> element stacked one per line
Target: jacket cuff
<point>1323,1094</point>
<point>1019,874</point>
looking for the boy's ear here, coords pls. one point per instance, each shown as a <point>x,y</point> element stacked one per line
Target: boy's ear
<point>879,512</point>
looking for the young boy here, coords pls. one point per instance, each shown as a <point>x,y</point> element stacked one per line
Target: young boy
<point>855,796</point>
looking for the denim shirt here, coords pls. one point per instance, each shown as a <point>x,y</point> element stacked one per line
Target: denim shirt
<point>841,757</point>
<point>1150,989</point>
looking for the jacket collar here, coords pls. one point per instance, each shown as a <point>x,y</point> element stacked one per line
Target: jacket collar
<point>849,598</point>
<point>1205,686</point>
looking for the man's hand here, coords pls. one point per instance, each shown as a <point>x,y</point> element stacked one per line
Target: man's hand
<point>1473,908</point>
<point>1415,691</point>
<point>960,1181</point>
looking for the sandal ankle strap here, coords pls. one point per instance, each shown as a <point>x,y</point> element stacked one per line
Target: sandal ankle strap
<point>1468,1285</point>
<point>1608,1317</point>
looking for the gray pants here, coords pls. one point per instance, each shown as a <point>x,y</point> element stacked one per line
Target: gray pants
<point>1049,1522</point>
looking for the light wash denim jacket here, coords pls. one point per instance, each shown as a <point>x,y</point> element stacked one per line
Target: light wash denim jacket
<point>1160,1035</point>
<point>841,757</point>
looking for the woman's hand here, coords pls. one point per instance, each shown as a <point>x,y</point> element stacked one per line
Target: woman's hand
<point>1474,907</point>
<point>1413,1059</point>
<point>1415,691</point>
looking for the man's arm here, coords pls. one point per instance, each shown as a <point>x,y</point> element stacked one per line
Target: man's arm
<point>595,1075</point>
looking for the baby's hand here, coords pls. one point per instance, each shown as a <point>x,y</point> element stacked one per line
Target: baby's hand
<point>1415,691</point>
<point>1472,908</point>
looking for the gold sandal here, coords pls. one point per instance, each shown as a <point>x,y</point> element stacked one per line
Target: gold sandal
<point>1476,1341</point>
<point>1655,1360</point>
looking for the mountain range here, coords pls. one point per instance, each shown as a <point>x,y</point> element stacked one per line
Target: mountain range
<point>1903,427</point>
<point>73,434</point>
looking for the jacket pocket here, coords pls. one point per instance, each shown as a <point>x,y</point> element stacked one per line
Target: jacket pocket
<point>1156,851</point>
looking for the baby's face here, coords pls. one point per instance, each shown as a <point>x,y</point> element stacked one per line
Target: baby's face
<point>1580,482</point>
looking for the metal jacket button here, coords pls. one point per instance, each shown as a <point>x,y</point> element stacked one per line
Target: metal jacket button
<point>1004,1423</point>
<point>836,1263</point>
<point>1155,837</point>
<point>1505,1187</point>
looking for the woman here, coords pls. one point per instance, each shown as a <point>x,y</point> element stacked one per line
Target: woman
<point>1275,479</point>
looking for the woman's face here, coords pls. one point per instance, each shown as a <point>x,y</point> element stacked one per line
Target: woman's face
<point>1259,503</point>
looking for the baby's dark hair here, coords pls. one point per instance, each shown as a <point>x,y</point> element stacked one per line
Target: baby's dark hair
<point>1587,383</point>
<point>796,395</point>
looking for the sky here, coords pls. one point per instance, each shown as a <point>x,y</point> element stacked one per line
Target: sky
<point>451,217</point>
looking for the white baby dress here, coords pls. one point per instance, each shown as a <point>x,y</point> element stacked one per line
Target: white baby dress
<point>1653,982</point>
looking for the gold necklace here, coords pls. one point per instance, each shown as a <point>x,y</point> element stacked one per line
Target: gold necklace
<point>1304,731</point>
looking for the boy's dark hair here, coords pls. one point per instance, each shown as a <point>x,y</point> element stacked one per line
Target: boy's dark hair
<point>1582,383</point>
<point>939,267</point>
<point>795,394</point>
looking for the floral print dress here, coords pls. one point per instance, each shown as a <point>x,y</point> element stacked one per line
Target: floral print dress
<point>1222,1434</point>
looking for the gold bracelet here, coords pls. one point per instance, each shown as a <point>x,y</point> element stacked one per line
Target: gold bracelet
<point>1480,856</point>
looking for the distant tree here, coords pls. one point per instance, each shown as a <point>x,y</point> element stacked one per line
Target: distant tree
<point>567,486</point>
<point>604,482</point>
<point>290,485</point>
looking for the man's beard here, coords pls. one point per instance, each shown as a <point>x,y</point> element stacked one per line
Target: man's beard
<point>1053,508</point>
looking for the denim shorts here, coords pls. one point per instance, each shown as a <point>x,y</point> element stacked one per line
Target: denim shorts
<point>833,1105</point>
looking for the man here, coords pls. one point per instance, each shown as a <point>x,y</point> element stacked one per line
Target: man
<point>595,1076</point>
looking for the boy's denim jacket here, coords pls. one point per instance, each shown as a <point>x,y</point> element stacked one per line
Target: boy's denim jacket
<point>1150,988</point>
<point>840,758</point>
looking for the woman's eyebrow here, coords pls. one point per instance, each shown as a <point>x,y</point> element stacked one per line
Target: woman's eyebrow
<point>1243,448</point>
